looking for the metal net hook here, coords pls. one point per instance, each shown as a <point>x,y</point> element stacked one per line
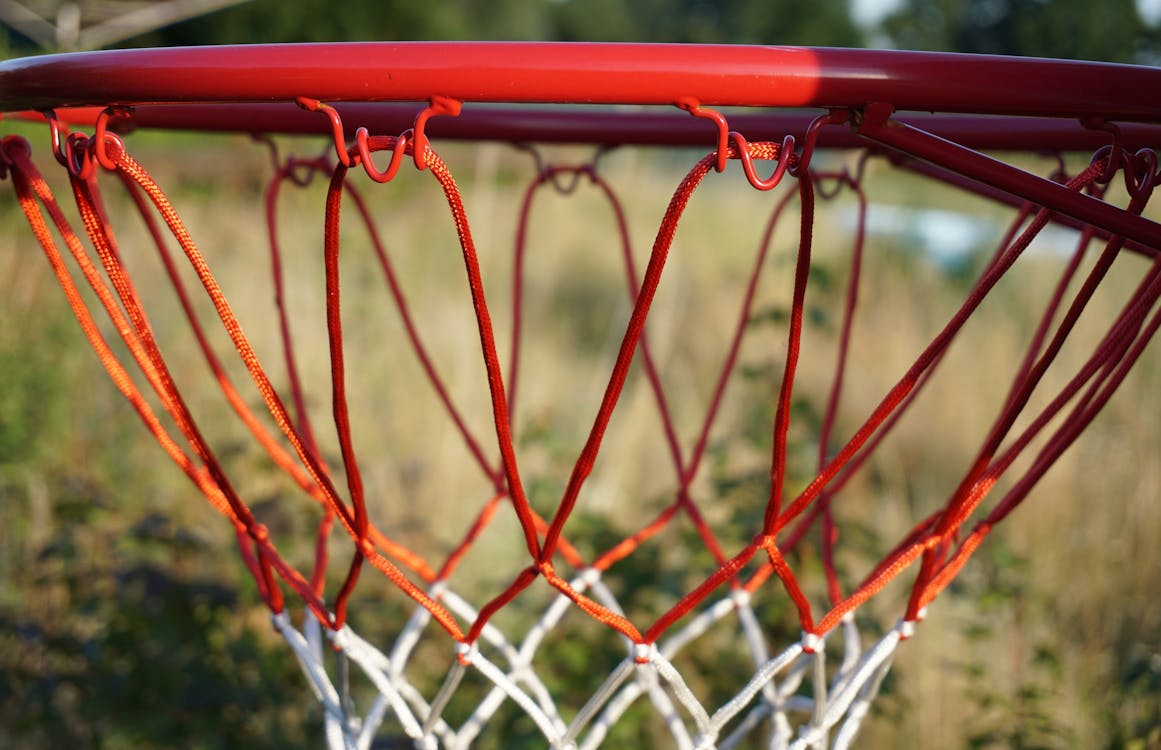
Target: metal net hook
<point>58,135</point>
<point>102,136</point>
<point>785,156</point>
<point>366,144</point>
<point>693,106</point>
<point>271,147</point>
<point>1113,154</point>
<point>79,153</point>
<point>336,122</point>
<point>810,139</point>
<point>437,105</point>
<point>1141,173</point>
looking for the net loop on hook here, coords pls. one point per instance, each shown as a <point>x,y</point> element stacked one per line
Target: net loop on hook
<point>365,144</point>
<point>1139,168</point>
<point>81,154</point>
<point>58,133</point>
<point>785,156</point>
<point>1111,155</point>
<point>102,137</point>
<point>68,147</point>
<point>789,159</point>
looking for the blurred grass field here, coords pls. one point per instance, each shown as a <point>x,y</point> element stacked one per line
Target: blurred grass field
<point>126,619</point>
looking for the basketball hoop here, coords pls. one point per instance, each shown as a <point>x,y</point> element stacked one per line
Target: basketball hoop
<point>764,116</point>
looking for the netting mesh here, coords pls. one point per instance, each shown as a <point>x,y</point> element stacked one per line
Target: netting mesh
<point>791,695</point>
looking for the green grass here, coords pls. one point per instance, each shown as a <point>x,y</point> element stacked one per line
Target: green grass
<point>127,621</point>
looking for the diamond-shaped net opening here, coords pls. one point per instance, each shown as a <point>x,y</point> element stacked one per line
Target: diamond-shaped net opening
<point>626,507</point>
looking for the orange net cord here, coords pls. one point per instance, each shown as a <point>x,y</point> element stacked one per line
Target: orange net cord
<point>936,546</point>
<point>356,522</point>
<point>144,351</point>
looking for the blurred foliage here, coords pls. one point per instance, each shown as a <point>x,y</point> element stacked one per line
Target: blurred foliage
<point>1079,29</point>
<point>115,628</point>
<point>1111,31</point>
<point>1015,712</point>
<point>32,399</point>
<point>1015,699</point>
<point>114,643</point>
<point>826,22</point>
<point>115,631</point>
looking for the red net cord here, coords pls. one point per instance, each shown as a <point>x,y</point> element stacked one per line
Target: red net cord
<point>937,545</point>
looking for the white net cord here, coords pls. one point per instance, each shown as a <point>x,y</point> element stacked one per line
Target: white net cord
<point>789,700</point>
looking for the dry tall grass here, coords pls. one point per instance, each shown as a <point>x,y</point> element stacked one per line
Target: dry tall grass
<point>1056,624</point>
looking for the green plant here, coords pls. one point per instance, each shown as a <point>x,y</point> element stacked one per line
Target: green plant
<point>129,640</point>
<point>1015,697</point>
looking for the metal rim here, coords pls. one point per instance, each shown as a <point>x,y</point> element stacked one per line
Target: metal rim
<point>714,75</point>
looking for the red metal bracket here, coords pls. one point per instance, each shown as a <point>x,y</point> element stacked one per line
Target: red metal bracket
<point>876,125</point>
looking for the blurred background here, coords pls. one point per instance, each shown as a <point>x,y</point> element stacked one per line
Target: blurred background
<point>1115,31</point>
<point>126,620</point>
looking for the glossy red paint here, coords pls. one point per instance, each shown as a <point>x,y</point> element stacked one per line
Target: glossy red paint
<point>714,75</point>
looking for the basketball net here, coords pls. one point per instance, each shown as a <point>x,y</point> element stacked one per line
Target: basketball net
<point>793,696</point>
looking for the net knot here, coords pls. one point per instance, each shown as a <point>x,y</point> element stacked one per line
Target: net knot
<point>741,598</point>
<point>812,643</point>
<point>643,653</point>
<point>466,653</point>
<point>766,541</point>
<point>546,569</point>
<point>280,620</point>
<point>589,577</point>
<point>906,627</point>
<point>340,639</point>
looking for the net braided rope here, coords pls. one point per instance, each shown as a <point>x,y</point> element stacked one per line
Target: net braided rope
<point>795,698</point>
